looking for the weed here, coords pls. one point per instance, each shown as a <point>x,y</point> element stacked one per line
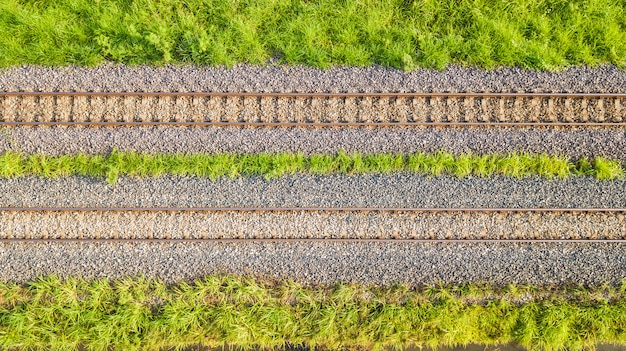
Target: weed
<point>607,169</point>
<point>11,164</point>
<point>270,165</point>
<point>133,314</point>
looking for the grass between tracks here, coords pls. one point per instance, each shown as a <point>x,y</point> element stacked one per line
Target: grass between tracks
<point>270,165</point>
<point>133,314</point>
<point>408,34</point>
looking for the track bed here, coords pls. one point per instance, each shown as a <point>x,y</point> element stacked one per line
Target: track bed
<point>205,108</point>
<point>238,224</point>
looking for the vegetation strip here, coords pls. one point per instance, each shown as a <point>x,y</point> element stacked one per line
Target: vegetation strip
<point>538,34</point>
<point>132,314</point>
<point>272,165</point>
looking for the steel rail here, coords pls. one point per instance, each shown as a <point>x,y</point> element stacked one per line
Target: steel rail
<point>304,209</point>
<point>315,95</point>
<point>312,240</point>
<point>319,124</point>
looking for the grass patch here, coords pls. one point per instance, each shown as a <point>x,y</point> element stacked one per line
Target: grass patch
<point>132,314</point>
<point>546,34</point>
<point>272,165</point>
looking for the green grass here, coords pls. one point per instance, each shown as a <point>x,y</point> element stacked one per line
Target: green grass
<point>132,314</point>
<point>214,166</point>
<point>408,34</point>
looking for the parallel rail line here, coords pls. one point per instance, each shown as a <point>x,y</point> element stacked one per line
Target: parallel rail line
<point>308,209</point>
<point>316,124</point>
<point>392,109</point>
<point>304,239</point>
<point>101,109</point>
<point>317,95</point>
<point>313,240</point>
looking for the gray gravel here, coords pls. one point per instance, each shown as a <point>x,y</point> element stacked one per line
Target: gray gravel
<point>325,263</point>
<point>317,262</point>
<point>389,225</point>
<point>251,78</point>
<point>394,190</point>
<point>573,142</point>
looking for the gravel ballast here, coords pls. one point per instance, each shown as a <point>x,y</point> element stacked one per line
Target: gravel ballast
<point>311,263</point>
<point>300,224</point>
<point>250,78</point>
<point>371,190</point>
<point>572,142</point>
<point>247,78</point>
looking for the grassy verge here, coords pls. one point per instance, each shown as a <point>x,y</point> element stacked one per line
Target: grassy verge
<point>136,314</point>
<point>406,34</point>
<point>275,165</point>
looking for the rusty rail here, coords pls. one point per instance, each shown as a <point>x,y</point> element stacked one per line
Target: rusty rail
<point>306,209</point>
<point>316,240</point>
<point>320,124</point>
<point>318,95</point>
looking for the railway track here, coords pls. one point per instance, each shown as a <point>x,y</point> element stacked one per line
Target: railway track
<point>314,240</point>
<point>310,209</point>
<point>311,109</point>
<point>179,225</point>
